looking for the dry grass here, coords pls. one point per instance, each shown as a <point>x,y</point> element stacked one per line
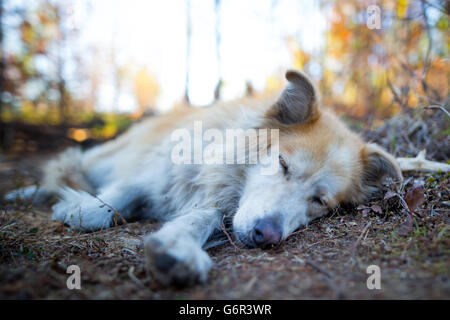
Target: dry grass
<point>327,259</point>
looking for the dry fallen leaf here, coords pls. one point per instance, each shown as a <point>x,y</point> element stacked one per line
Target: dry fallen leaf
<point>414,197</point>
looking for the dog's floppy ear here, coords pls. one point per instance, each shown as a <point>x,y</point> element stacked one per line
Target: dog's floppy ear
<point>377,164</point>
<point>298,102</point>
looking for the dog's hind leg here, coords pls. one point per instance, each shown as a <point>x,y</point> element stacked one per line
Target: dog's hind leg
<point>85,211</point>
<point>63,170</point>
<point>174,254</point>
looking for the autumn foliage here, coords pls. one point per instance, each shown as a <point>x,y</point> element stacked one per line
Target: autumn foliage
<point>363,72</point>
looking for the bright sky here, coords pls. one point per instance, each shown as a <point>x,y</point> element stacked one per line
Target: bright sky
<point>152,33</point>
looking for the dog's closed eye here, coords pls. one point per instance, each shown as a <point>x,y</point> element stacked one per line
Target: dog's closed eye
<point>317,200</point>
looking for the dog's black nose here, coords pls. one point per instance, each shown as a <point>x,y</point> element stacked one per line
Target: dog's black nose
<point>266,232</point>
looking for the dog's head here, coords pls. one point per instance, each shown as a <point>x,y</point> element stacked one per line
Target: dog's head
<point>321,164</point>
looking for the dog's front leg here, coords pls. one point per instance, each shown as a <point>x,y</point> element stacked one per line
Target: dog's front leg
<point>174,253</point>
<point>85,211</point>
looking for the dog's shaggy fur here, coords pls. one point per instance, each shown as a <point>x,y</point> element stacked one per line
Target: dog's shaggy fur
<point>321,164</point>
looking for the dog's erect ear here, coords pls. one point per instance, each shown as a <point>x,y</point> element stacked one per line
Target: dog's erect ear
<point>377,164</point>
<point>298,102</point>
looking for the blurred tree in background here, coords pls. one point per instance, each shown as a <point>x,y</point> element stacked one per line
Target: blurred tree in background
<point>34,72</point>
<point>42,73</point>
<point>402,65</point>
<point>146,89</point>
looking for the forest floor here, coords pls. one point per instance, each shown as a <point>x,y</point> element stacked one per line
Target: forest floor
<point>406,233</point>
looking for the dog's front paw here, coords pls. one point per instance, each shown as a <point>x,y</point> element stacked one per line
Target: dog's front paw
<point>179,262</point>
<point>82,211</point>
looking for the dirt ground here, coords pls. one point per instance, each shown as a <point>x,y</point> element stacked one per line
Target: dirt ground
<point>405,233</point>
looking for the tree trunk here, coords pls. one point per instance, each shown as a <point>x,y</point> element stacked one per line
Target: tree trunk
<point>188,51</point>
<point>218,89</point>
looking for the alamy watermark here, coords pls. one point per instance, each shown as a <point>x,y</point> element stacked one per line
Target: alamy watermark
<point>229,146</point>
<point>374,280</point>
<point>74,280</point>
<point>373,17</point>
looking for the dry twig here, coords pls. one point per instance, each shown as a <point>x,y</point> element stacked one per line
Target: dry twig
<point>419,163</point>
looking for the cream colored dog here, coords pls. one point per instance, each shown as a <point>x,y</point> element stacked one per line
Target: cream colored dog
<point>319,164</point>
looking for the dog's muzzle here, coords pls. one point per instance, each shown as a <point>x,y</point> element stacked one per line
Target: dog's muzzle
<point>265,233</point>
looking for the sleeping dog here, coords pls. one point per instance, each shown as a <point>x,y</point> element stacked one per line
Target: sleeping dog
<point>293,162</point>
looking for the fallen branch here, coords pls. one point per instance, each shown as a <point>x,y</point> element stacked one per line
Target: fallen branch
<point>134,278</point>
<point>439,108</point>
<point>116,216</point>
<point>329,278</point>
<point>318,268</point>
<point>419,163</point>
<point>224,230</point>
<point>364,232</point>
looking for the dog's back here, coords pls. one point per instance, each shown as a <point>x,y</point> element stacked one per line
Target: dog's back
<point>90,170</point>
